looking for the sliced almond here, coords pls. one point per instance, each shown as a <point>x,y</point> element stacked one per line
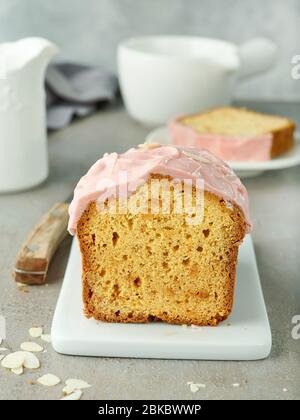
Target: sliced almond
<point>32,347</point>
<point>18,371</point>
<point>46,338</point>
<point>21,286</point>
<point>194,388</point>
<point>48,380</point>
<point>67,390</point>
<point>149,145</point>
<point>195,156</point>
<point>3,349</point>
<point>30,360</point>
<point>77,384</point>
<point>13,360</point>
<point>76,395</point>
<point>36,332</point>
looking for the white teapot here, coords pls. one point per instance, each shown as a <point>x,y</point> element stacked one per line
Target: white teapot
<point>23,139</point>
<point>165,76</point>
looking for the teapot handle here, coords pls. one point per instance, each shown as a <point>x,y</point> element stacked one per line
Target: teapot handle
<point>256,56</point>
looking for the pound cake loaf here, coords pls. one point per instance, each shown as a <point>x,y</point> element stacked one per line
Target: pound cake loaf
<point>144,260</point>
<point>235,134</point>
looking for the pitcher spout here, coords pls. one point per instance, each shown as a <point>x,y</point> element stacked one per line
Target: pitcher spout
<point>21,54</point>
<point>39,48</point>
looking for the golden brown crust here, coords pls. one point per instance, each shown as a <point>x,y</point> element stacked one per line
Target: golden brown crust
<point>283,140</point>
<point>204,290</point>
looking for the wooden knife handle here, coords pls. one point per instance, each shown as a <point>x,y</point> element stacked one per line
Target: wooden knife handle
<point>35,254</point>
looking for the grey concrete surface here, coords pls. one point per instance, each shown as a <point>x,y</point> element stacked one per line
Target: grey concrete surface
<point>89,31</point>
<point>275,209</point>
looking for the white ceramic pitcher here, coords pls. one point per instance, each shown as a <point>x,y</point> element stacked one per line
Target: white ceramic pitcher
<point>23,138</point>
<point>165,76</point>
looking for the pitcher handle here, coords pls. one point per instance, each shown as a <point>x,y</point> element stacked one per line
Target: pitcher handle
<point>256,56</point>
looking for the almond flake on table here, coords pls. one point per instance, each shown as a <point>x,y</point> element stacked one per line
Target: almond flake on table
<point>13,360</point>
<point>30,360</point>
<point>49,380</point>
<point>195,387</point>
<point>76,395</point>
<point>31,346</point>
<point>236,385</point>
<point>3,349</point>
<point>77,384</point>
<point>22,287</point>
<point>67,390</point>
<point>36,332</point>
<point>46,338</point>
<point>18,371</point>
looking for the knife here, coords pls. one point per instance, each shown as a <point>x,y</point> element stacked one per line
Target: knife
<point>35,255</point>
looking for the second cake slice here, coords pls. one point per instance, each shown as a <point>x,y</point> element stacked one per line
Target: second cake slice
<point>235,134</point>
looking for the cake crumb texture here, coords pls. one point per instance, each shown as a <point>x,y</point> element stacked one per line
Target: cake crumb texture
<point>148,267</point>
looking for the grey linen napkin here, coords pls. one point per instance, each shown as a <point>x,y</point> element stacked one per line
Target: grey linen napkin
<point>76,90</point>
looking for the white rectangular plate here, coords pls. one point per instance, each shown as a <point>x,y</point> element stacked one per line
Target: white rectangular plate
<point>245,335</point>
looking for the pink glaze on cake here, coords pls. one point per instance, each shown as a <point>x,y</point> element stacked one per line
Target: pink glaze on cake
<point>229,148</point>
<point>103,179</point>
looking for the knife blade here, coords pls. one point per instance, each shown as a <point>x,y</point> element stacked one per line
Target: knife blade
<point>35,254</point>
